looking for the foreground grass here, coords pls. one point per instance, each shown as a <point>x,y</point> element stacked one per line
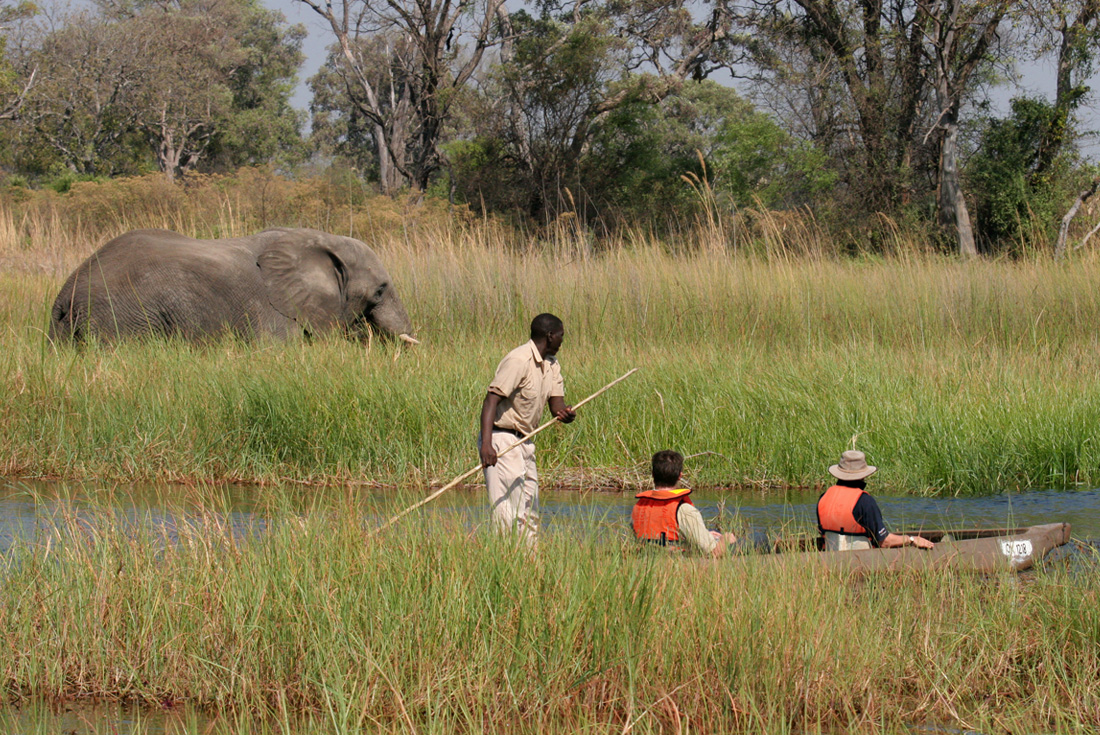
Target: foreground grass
<point>430,629</point>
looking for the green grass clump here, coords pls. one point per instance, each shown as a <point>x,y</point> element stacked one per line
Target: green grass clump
<point>430,627</point>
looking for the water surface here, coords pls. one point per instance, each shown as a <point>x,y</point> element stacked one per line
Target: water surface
<point>26,506</point>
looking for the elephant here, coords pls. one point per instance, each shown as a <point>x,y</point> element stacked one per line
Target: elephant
<point>280,283</point>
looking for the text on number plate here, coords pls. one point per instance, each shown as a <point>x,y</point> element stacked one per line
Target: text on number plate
<point>1019,547</point>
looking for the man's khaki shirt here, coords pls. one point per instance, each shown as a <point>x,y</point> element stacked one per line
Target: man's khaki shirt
<point>525,381</point>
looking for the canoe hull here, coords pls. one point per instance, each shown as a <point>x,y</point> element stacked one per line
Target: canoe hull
<point>1016,551</point>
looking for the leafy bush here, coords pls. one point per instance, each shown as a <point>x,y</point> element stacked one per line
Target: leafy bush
<point>1017,204</point>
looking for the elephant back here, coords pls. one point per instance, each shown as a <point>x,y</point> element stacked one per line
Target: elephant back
<point>157,282</point>
<point>281,282</point>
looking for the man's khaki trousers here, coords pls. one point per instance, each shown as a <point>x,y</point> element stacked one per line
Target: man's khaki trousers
<point>513,485</point>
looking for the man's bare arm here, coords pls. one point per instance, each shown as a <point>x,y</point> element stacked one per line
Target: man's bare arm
<point>562,412</point>
<point>488,414</point>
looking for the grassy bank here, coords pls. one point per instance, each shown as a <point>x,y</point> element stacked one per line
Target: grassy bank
<point>437,631</point>
<point>955,377</point>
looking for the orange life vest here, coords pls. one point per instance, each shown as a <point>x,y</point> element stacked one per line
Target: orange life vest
<point>654,515</point>
<point>835,511</point>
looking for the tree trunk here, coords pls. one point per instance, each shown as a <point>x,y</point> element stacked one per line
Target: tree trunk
<point>954,215</point>
<point>392,140</point>
<point>955,62</point>
<point>389,180</point>
<point>168,156</point>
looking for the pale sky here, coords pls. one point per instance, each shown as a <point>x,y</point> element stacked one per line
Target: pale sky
<point>318,38</point>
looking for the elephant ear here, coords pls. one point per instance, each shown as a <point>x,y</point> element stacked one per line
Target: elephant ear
<point>305,281</point>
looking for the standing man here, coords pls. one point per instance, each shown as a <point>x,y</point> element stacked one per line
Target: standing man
<point>527,379</point>
<point>849,518</point>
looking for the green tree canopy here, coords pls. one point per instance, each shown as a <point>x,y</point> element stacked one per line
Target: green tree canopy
<point>175,84</point>
<point>1010,197</point>
<point>634,166</point>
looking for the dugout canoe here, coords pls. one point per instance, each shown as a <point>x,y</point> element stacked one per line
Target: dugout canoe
<point>978,550</point>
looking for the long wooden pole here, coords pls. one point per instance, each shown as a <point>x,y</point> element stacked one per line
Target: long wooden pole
<point>464,475</point>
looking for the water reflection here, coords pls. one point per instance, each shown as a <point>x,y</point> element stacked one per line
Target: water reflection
<point>107,718</point>
<point>27,507</point>
<point>92,719</point>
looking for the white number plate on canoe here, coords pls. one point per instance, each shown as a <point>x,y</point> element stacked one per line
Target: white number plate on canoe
<point>1017,548</point>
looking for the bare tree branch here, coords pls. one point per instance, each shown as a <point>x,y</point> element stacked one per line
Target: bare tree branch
<point>1063,230</point>
<point>11,110</point>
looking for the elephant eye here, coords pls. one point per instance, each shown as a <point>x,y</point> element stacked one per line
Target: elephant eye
<point>379,291</point>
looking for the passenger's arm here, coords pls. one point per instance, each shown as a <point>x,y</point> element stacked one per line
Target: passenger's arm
<point>868,515</point>
<point>896,540</point>
<point>694,531</point>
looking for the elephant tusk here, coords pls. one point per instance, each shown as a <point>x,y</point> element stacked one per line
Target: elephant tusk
<point>406,338</point>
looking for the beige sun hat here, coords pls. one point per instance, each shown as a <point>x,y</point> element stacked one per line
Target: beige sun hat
<point>852,466</point>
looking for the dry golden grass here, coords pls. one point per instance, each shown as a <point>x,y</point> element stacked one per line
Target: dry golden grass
<point>47,232</point>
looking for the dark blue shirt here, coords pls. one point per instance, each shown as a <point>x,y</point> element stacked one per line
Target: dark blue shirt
<point>866,514</point>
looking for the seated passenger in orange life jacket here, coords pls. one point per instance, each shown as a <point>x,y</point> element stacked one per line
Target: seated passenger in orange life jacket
<point>849,518</point>
<point>665,515</point>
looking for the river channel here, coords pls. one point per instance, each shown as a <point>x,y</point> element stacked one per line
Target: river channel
<point>26,508</point>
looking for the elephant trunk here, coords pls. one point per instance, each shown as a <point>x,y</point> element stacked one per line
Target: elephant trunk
<point>390,318</point>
